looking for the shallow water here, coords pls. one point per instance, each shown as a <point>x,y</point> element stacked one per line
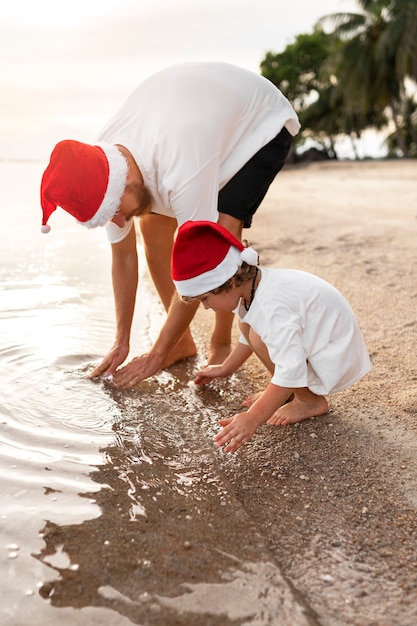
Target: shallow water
<point>114,508</point>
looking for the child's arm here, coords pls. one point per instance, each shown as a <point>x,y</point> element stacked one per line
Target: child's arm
<point>236,358</point>
<point>239,429</point>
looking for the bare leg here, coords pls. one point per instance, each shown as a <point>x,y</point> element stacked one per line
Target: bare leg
<point>261,352</point>
<point>304,405</point>
<point>221,338</point>
<point>158,237</point>
<point>232,224</point>
<point>301,403</point>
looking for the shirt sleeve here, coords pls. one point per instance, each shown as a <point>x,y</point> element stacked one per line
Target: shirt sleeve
<point>287,353</point>
<point>115,233</point>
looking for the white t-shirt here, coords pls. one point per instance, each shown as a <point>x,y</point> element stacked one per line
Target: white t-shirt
<point>192,127</point>
<point>310,331</point>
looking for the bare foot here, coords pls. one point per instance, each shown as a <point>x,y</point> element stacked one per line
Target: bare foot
<point>184,349</point>
<point>218,353</point>
<point>251,399</point>
<point>299,410</point>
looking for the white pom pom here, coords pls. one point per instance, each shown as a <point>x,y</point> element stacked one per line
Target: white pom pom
<point>45,228</point>
<point>250,256</point>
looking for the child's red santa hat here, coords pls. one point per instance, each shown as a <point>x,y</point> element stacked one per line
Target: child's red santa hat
<point>205,255</point>
<point>87,181</point>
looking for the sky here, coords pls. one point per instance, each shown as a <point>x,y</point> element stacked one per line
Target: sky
<point>65,68</point>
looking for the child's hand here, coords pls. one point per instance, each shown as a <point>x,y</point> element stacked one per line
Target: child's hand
<point>208,374</point>
<point>236,431</point>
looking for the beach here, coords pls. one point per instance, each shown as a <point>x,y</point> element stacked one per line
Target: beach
<point>345,529</point>
<point>118,509</point>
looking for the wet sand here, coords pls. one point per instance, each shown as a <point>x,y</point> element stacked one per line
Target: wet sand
<point>335,497</point>
<point>128,514</point>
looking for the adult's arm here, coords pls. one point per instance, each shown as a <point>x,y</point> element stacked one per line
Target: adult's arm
<point>178,319</point>
<point>125,282</point>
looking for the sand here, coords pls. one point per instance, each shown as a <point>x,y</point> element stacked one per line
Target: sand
<point>307,525</point>
<point>336,496</point>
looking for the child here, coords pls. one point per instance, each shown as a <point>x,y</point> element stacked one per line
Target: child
<point>300,327</point>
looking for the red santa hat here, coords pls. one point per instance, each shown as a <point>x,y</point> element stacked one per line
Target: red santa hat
<point>86,181</point>
<point>205,255</point>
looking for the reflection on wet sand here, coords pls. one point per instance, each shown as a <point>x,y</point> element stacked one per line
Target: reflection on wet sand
<point>158,552</point>
<point>142,525</point>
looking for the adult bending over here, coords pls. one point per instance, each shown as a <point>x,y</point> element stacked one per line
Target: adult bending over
<point>196,141</point>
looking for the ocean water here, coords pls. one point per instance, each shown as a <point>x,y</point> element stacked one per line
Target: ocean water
<point>111,501</point>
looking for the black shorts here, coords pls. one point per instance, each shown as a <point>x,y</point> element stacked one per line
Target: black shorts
<point>242,195</point>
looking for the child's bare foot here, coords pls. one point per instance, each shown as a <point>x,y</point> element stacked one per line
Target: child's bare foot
<point>299,410</point>
<point>251,399</point>
<point>184,349</point>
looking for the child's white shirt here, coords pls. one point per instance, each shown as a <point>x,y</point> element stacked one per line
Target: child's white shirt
<point>309,329</point>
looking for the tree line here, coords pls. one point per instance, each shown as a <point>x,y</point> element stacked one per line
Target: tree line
<point>355,71</point>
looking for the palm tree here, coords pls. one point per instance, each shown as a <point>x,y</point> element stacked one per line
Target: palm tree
<point>378,55</point>
<point>401,38</point>
<point>401,35</point>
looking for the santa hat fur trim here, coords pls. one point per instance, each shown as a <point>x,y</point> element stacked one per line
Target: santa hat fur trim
<point>86,181</point>
<point>205,255</point>
<point>118,170</point>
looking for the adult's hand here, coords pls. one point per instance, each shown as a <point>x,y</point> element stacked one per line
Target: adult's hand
<point>138,369</point>
<point>111,361</point>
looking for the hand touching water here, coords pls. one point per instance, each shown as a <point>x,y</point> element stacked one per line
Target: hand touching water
<point>138,369</point>
<point>111,361</point>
